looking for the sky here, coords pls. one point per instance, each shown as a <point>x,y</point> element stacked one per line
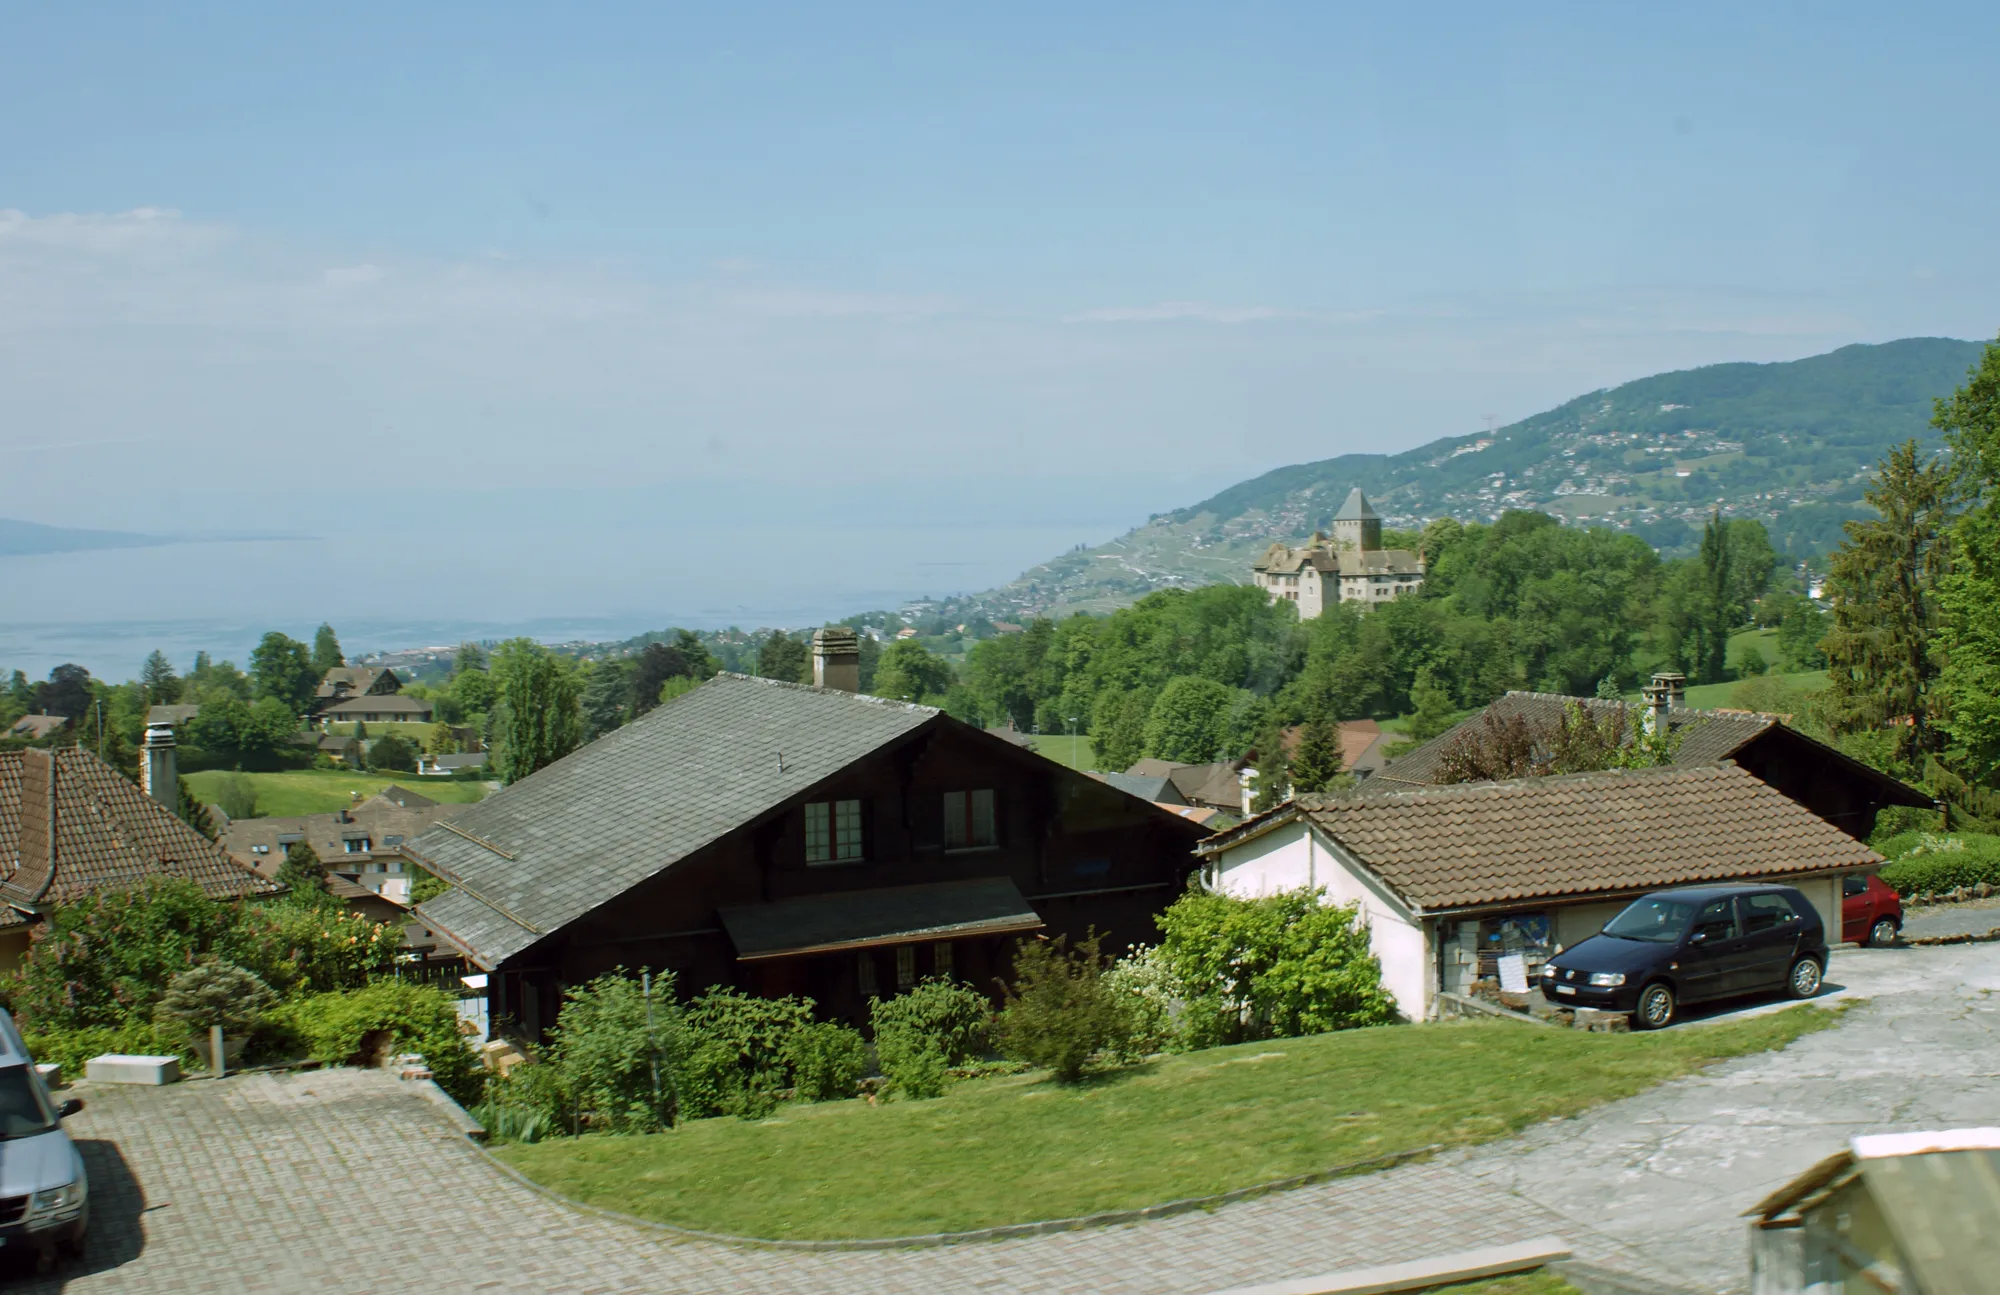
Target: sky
<point>882,281</point>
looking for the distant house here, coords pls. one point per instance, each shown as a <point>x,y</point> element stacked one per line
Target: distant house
<point>443,766</point>
<point>1914,1212</point>
<point>1362,743</point>
<point>365,842</point>
<point>71,825</point>
<point>1158,788</point>
<point>1349,566</point>
<point>1449,879</point>
<point>1838,788</point>
<point>37,727</point>
<point>345,748</point>
<point>787,838</point>
<point>1008,733</point>
<point>348,681</point>
<point>174,714</point>
<point>1220,785</point>
<point>377,708</point>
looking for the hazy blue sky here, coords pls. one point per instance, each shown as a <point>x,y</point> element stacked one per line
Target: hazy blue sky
<point>258,262</point>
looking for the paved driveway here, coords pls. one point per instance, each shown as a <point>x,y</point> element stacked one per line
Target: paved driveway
<point>348,1181</point>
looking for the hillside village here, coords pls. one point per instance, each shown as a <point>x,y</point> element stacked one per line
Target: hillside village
<point>688,928</point>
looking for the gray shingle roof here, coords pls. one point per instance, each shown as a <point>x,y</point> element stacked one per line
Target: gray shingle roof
<point>543,852</point>
<point>1356,508</point>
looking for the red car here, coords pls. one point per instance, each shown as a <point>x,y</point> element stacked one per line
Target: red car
<point>1870,912</point>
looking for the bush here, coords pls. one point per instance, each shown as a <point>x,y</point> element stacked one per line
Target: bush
<point>1277,966</point>
<point>737,1061</point>
<point>1059,1011</point>
<point>826,1060</point>
<point>70,1049</point>
<point>1937,865</point>
<point>954,1016</point>
<point>620,1056</point>
<point>386,1017</point>
<point>393,754</point>
<point>236,796</point>
<point>1153,1000</point>
<point>913,1064</point>
<point>214,993</point>
<point>530,1102</point>
<point>105,960</point>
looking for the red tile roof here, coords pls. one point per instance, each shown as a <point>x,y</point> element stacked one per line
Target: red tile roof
<point>1593,833</point>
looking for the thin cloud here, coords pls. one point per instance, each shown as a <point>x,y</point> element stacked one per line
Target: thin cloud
<point>1170,311</point>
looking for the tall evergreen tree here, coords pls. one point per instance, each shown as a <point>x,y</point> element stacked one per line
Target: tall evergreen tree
<point>1970,594</point>
<point>1883,654</point>
<point>304,874</point>
<point>1318,761</point>
<point>1710,649</point>
<point>783,657</point>
<point>163,686</point>
<point>538,722</point>
<point>326,650</point>
<point>1274,773</point>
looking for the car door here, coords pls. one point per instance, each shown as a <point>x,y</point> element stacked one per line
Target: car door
<point>1771,929</point>
<point>1712,952</point>
<point>1857,909</point>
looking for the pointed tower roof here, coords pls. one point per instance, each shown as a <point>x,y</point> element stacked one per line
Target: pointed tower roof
<point>1356,508</point>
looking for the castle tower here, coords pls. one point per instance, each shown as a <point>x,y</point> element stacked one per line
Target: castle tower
<point>1357,526</point>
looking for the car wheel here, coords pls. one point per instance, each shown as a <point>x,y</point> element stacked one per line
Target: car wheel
<point>1805,978</point>
<point>71,1245</point>
<point>1656,1007</point>
<point>1883,933</point>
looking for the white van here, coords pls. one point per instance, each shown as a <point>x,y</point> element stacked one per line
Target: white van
<point>44,1198</point>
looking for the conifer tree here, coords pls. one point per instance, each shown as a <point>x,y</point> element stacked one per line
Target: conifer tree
<point>162,685</point>
<point>1970,594</point>
<point>326,651</point>
<point>1318,762</point>
<point>1274,774</point>
<point>303,873</point>
<point>1883,654</point>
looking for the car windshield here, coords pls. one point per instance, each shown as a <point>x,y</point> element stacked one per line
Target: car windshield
<point>23,1112</point>
<point>1657,921</point>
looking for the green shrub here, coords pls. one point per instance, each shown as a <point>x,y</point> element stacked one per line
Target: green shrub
<point>527,1104</point>
<point>70,1049</point>
<point>387,1016</point>
<point>620,1055</point>
<point>513,1123</point>
<point>214,993</point>
<point>736,1060</point>
<point>1934,865</point>
<point>1275,966</point>
<point>826,1060</point>
<point>1059,1011</point>
<point>392,753</point>
<point>954,1016</point>
<point>913,1064</point>
<point>1895,822</point>
<point>1153,1000</point>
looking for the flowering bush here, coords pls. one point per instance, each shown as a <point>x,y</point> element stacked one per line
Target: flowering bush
<point>1154,1001</point>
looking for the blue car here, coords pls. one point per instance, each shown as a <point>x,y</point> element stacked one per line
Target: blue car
<point>1689,945</point>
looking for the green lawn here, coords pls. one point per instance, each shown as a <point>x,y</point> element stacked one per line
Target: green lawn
<point>1713,696</point>
<point>1019,1148</point>
<point>1074,752</point>
<point>316,791</point>
<point>1539,1282</point>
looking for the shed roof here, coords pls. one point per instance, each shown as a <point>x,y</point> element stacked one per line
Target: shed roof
<point>1615,832</point>
<point>389,703</point>
<point>550,848</point>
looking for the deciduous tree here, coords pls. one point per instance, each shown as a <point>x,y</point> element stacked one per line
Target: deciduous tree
<point>538,695</point>
<point>281,668</point>
<point>783,657</point>
<point>1970,594</point>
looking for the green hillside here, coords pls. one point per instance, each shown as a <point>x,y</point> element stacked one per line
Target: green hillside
<point>1789,444</point>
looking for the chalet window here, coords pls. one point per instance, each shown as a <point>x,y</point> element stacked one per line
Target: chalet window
<point>833,831</point>
<point>941,959</point>
<point>906,967</point>
<point>864,974</point>
<point>968,820</point>
<point>355,845</point>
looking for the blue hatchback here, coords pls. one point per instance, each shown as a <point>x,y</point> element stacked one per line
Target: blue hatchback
<point>1685,946</point>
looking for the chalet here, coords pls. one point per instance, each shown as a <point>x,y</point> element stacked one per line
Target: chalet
<point>793,839</point>
<point>71,825</point>
<point>1450,880</point>
<point>348,681</point>
<point>376,708</point>
<point>1838,788</point>
<point>364,842</point>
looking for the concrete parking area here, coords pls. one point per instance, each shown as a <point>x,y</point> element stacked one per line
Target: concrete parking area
<point>350,1181</point>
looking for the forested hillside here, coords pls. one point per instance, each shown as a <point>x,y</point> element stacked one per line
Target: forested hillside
<point>1789,445</point>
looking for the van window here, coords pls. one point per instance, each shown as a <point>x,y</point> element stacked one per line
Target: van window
<point>23,1113</point>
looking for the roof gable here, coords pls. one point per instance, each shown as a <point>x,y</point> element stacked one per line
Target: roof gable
<point>1568,837</point>
<point>548,849</point>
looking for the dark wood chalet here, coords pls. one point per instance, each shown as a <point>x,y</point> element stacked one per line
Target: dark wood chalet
<point>792,839</point>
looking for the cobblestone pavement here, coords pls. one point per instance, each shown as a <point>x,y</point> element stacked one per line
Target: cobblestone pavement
<point>349,1181</point>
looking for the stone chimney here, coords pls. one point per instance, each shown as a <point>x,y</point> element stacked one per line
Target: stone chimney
<point>158,773</point>
<point>837,659</point>
<point>1666,694</point>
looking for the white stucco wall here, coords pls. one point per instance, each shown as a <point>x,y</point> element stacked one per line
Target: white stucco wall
<point>1824,892</point>
<point>1291,856</point>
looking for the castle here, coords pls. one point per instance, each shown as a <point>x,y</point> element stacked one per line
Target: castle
<point>1349,567</point>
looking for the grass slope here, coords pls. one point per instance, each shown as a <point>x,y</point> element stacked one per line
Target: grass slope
<point>282,795</point>
<point>1018,1148</point>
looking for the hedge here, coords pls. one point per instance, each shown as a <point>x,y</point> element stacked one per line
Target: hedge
<point>1923,865</point>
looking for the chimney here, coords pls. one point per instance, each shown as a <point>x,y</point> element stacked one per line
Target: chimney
<point>1666,694</point>
<point>37,866</point>
<point>837,659</point>
<point>158,773</point>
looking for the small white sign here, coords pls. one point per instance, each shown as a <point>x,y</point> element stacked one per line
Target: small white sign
<point>1513,973</point>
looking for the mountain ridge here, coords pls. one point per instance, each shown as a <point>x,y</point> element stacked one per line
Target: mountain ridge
<point>1789,443</point>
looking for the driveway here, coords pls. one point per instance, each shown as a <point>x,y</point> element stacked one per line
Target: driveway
<point>350,1181</point>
